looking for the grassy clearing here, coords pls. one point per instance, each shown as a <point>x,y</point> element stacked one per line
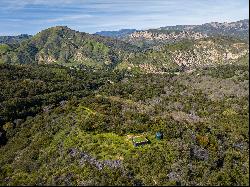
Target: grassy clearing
<point>104,146</point>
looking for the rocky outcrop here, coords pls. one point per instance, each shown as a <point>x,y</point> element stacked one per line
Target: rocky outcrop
<point>206,53</point>
<point>87,158</point>
<point>45,59</point>
<point>162,37</point>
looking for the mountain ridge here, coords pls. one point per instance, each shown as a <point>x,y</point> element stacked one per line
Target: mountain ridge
<point>116,34</point>
<point>14,39</point>
<point>160,49</point>
<point>235,29</point>
<point>61,44</point>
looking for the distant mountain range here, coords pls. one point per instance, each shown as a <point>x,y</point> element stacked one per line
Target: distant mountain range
<point>117,34</point>
<point>14,39</point>
<point>154,50</point>
<point>169,34</point>
<point>238,29</point>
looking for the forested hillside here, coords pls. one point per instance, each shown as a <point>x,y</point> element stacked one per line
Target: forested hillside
<point>73,127</point>
<point>62,45</point>
<point>188,54</point>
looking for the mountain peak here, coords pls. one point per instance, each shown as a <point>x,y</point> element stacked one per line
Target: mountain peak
<point>58,29</point>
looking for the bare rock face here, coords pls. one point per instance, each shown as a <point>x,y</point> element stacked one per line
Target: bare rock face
<point>78,56</point>
<point>45,59</point>
<point>173,36</point>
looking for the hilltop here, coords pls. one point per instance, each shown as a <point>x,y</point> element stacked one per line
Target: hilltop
<point>65,46</point>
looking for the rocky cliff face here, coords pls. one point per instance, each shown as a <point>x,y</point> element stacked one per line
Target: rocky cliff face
<point>164,38</point>
<point>154,38</point>
<point>239,29</point>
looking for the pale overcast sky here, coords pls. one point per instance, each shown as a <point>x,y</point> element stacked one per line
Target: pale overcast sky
<point>31,16</point>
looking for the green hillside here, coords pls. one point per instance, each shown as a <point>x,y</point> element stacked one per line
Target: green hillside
<point>72,127</point>
<point>62,45</point>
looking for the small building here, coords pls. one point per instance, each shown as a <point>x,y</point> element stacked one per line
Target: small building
<point>159,135</point>
<point>139,140</point>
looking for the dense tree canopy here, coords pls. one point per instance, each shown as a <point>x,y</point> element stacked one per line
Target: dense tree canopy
<point>68,126</point>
